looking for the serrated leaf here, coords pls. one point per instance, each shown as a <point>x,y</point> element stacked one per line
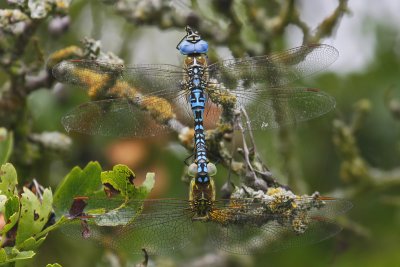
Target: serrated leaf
<point>77,183</point>
<point>8,255</point>
<point>8,180</point>
<point>6,145</point>
<point>33,215</point>
<point>115,209</point>
<point>11,213</point>
<point>128,210</point>
<point>121,179</point>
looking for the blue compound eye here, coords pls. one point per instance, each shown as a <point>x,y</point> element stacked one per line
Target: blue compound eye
<point>187,48</point>
<point>199,180</point>
<point>201,47</point>
<point>205,179</point>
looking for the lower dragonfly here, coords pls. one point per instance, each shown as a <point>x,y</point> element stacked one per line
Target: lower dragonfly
<point>247,222</point>
<point>145,100</point>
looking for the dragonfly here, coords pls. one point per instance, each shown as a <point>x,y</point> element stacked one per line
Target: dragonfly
<point>166,224</point>
<point>147,100</point>
<point>271,221</point>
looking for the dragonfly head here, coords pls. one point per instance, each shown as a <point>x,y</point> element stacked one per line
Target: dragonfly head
<point>192,43</point>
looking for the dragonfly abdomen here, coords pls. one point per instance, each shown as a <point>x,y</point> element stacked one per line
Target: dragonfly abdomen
<point>197,100</point>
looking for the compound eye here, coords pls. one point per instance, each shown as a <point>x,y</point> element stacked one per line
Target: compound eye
<point>192,170</point>
<point>201,59</point>
<point>212,170</point>
<point>189,60</point>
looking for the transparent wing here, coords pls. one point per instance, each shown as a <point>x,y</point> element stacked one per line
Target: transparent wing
<point>157,233</point>
<point>156,89</point>
<point>164,225</point>
<point>321,206</point>
<point>277,107</point>
<point>271,236</point>
<point>260,85</point>
<point>116,117</point>
<point>102,79</point>
<point>244,226</point>
<point>276,70</point>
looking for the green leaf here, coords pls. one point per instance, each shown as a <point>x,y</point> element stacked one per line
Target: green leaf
<point>8,180</point>
<point>121,179</point>
<point>3,255</point>
<point>53,265</point>
<point>11,213</point>
<point>127,210</point>
<point>33,215</point>
<point>77,183</point>
<point>8,254</point>
<point>6,145</point>
<point>116,209</point>
<point>31,243</point>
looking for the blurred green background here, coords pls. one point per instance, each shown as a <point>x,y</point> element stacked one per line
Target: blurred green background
<point>368,40</point>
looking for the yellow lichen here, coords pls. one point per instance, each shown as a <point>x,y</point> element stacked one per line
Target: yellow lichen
<point>122,89</point>
<point>159,108</point>
<point>300,223</point>
<point>62,4</point>
<point>92,80</point>
<point>220,216</point>
<point>186,137</point>
<point>274,191</point>
<point>63,54</point>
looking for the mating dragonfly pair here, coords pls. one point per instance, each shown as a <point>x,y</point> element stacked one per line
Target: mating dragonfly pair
<point>154,95</point>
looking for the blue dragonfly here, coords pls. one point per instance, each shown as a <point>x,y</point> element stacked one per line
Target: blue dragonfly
<point>146,100</point>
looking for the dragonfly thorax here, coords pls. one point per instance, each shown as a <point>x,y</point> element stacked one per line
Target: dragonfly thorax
<point>196,71</point>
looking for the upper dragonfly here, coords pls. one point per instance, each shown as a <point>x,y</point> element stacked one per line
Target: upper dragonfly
<point>144,100</point>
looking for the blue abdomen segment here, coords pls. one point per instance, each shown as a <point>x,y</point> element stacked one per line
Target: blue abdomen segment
<point>197,103</point>
<point>187,48</point>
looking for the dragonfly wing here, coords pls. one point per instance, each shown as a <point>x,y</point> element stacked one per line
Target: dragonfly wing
<point>244,225</point>
<point>277,107</point>
<point>278,69</point>
<point>260,85</point>
<point>331,208</point>
<point>234,238</point>
<point>270,236</point>
<point>163,226</point>
<point>102,79</point>
<point>116,117</point>
<point>157,87</point>
<point>157,233</point>
<point>278,237</point>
